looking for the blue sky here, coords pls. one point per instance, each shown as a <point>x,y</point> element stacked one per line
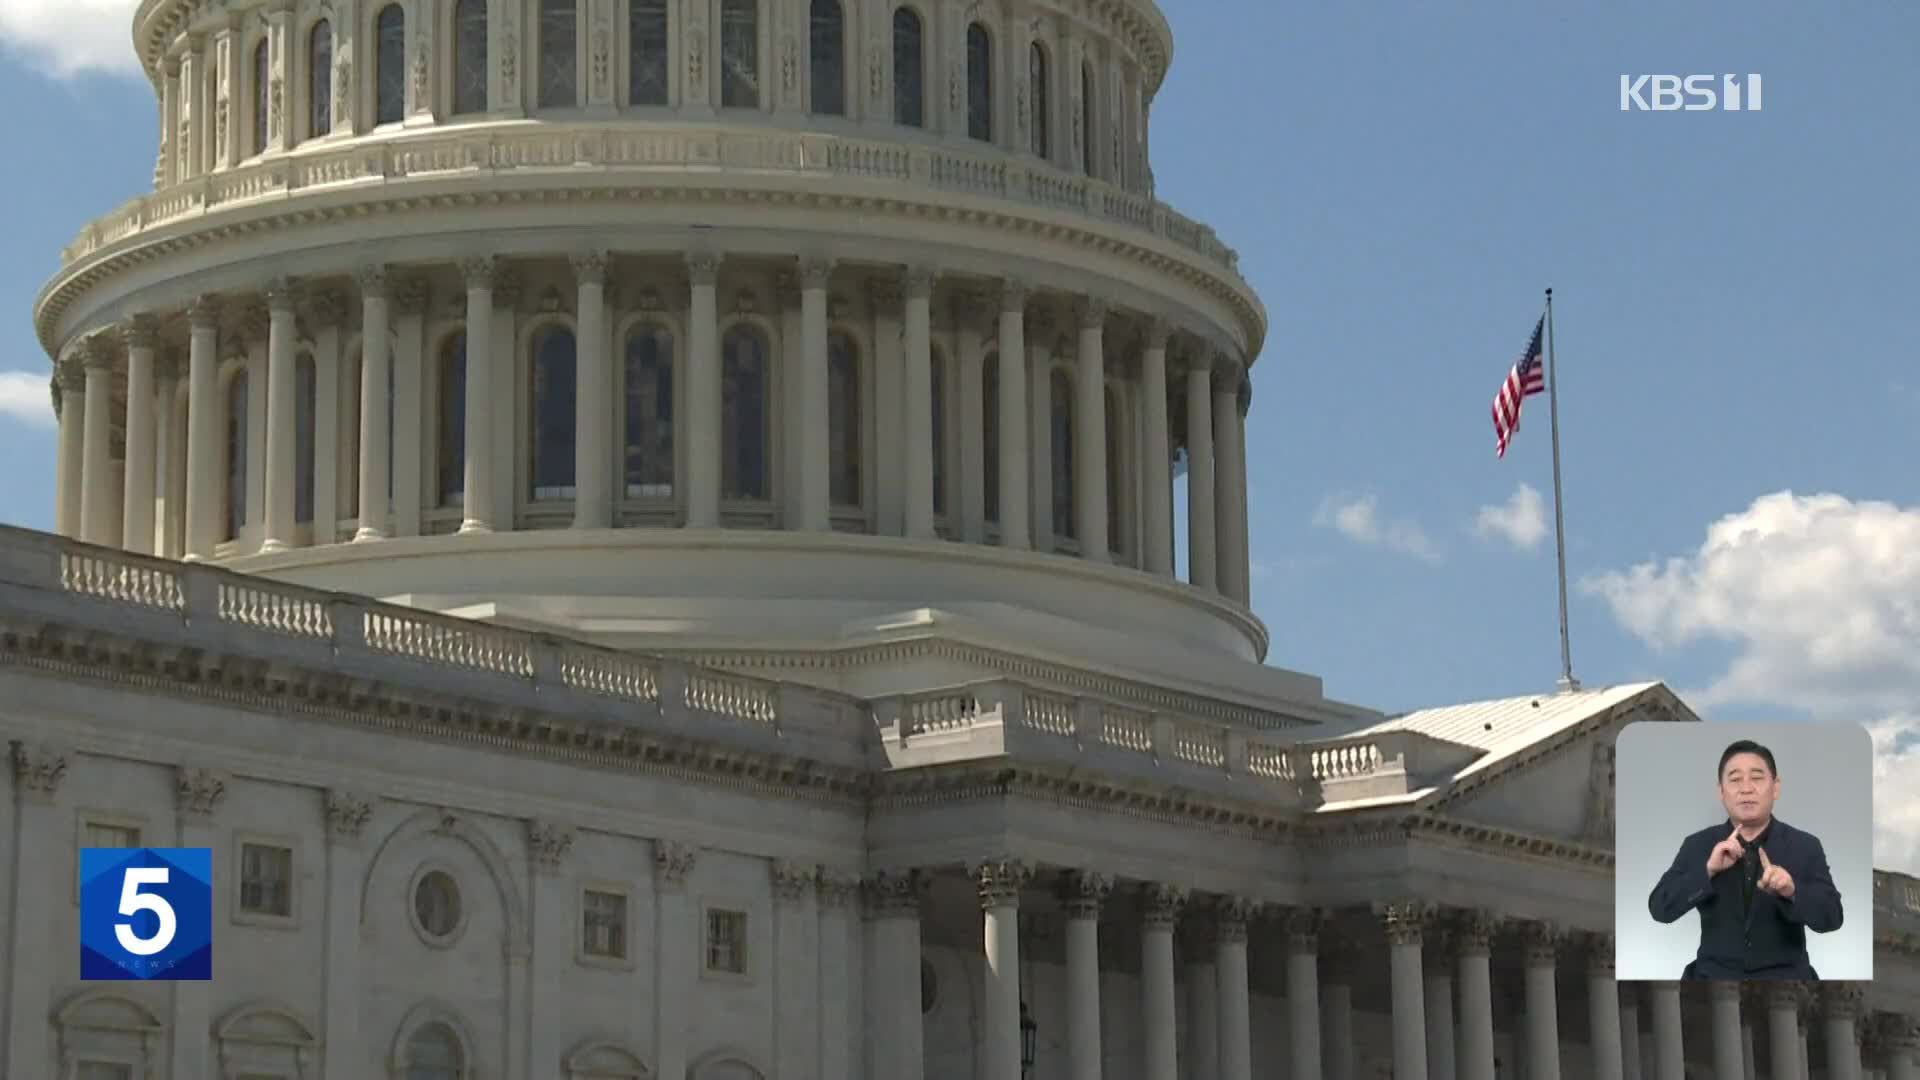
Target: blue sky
<point>1738,340</point>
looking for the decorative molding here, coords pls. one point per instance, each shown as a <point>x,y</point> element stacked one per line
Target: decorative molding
<point>1841,1000</point>
<point>347,813</point>
<point>791,880</point>
<point>373,281</point>
<point>1473,931</point>
<point>590,267</point>
<point>895,894</point>
<point>1600,956</point>
<point>199,791</point>
<point>1000,881</point>
<point>1161,905</point>
<point>139,332</point>
<point>836,888</point>
<point>548,843</point>
<point>1405,920</point>
<point>410,295</point>
<point>1541,942</point>
<point>38,769</point>
<point>918,281</point>
<point>672,862</point>
<point>703,268</point>
<point>816,272</point>
<point>1083,893</point>
<point>278,292</point>
<point>1231,914</point>
<point>478,271</point>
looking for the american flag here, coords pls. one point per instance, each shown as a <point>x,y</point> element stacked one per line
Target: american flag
<point>1526,378</point>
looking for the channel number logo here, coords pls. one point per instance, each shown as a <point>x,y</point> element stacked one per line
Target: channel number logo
<point>146,913</point>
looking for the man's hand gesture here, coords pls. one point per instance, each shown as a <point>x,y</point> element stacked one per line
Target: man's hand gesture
<point>1775,879</point>
<point>1726,853</point>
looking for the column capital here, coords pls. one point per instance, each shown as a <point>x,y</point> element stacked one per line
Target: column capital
<point>279,294</point>
<point>1303,928</point>
<point>1092,312</point>
<point>1473,931</point>
<point>69,376</point>
<point>94,353</point>
<point>1720,990</point>
<point>1785,995</point>
<point>672,862</point>
<point>326,308</point>
<point>139,332</point>
<point>1013,295</point>
<point>373,280</point>
<point>38,769</point>
<point>970,307</point>
<point>1160,905</point>
<point>786,290</point>
<point>1228,371</point>
<point>410,295</point>
<point>1406,920</point>
<point>1083,892</point>
<point>884,294</point>
<point>791,880</point>
<point>199,792</point>
<point>895,893</point>
<point>478,271</point>
<point>1155,334</point>
<point>1042,324</point>
<point>1541,940</point>
<point>836,887</point>
<point>1841,1000</point>
<point>918,282</point>
<point>1000,881</point>
<point>1600,956</point>
<point>346,812</point>
<point>166,366</point>
<point>548,843</point>
<point>507,283</point>
<point>703,268</point>
<point>1197,359</point>
<point>816,271</point>
<point>589,267</point>
<point>1231,914</point>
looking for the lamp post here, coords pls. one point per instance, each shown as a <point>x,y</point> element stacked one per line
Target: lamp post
<point>1029,1040</point>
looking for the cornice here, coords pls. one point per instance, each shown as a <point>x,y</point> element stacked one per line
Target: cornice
<point>1656,701</point>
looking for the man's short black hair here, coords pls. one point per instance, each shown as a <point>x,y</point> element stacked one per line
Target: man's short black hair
<point>1746,746</point>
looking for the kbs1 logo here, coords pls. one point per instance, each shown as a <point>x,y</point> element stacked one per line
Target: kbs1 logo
<point>146,913</point>
<point>1691,93</point>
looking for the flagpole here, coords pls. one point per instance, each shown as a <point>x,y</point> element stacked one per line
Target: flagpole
<point>1567,681</point>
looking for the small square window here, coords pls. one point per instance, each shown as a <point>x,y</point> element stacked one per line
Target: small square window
<point>727,941</point>
<point>604,925</point>
<point>266,880</point>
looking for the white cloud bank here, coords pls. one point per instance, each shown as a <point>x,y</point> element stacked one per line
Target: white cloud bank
<point>1360,520</point>
<point>1818,597</point>
<point>24,396</point>
<point>70,37</point>
<point>1520,521</point>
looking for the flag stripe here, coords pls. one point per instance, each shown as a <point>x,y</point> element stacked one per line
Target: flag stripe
<point>1526,378</point>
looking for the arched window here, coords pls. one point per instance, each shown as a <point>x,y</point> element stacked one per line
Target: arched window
<point>320,80</point>
<point>979,83</point>
<point>740,54</point>
<point>470,56</point>
<point>390,65</point>
<point>647,52</point>
<point>826,58</point>
<point>743,415</point>
<point>1037,76</point>
<point>236,454</point>
<point>909,69</point>
<point>1116,446</point>
<point>262,95</point>
<point>990,426</point>
<point>433,1053</point>
<point>649,413</point>
<point>551,471</point>
<point>303,463</point>
<point>843,420</point>
<point>938,423</point>
<point>451,421</point>
<point>559,55</point>
<point>1061,393</point>
<point>1086,119</point>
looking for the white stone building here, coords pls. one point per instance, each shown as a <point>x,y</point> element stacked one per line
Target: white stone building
<point>641,533</point>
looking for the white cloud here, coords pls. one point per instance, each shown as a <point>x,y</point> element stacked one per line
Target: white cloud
<point>24,397</point>
<point>1521,520</point>
<point>69,37</point>
<point>1359,519</point>
<point>1818,597</point>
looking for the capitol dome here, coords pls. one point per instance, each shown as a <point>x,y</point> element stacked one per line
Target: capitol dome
<point>745,274</point>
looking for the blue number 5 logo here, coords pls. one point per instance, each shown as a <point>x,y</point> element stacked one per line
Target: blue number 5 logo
<point>146,913</point>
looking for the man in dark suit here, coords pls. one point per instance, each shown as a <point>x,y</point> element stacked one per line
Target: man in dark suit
<point>1758,883</point>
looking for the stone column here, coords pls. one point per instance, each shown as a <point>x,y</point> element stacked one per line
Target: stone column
<point>226,110</point>
<point>1040,426</point>
<point>1200,482</point>
<point>1012,383</point>
<point>816,414</point>
<point>1437,969</point>
<point>1902,1042</point>
<point>1603,1010</point>
<point>1405,921</point>
<point>884,300</point>
<point>919,404</point>
<point>1082,894</point>
<point>553,925</point>
<point>678,935</point>
<point>1543,1008</point>
<point>898,1040</point>
<point>1472,936</point>
<point>1669,1055</point>
<point>136,514</point>
<point>796,956</point>
<point>1631,1058</point>
<point>420,91</point>
<point>282,402</point>
<point>594,397</point>
<point>1841,1003</point>
<point>1229,485</point>
<point>279,68</point>
<point>703,391</point>
<point>1156,451</point>
<point>1727,1054</point>
<point>408,366</point>
<point>41,838</point>
<point>1203,998</point>
<point>96,457</point>
<point>199,792</point>
<point>204,414</point>
<point>346,815</point>
<point>325,311</point>
<point>166,168</point>
<point>1230,965</point>
<point>836,966</point>
<point>70,390</point>
<point>477,497</point>
<point>1090,433</point>
<point>169,448</point>
<point>1783,1030</point>
<point>969,316</point>
<point>1303,993</point>
<point>191,116</point>
<point>375,380</point>
<point>1160,909</point>
<point>1000,883</point>
<point>255,334</point>
<point>1336,1036</point>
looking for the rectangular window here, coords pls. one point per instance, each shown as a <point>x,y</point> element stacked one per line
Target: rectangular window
<point>266,880</point>
<point>740,54</point>
<point>103,1070</point>
<point>110,836</point>
<point>727,941</point>
<point>647,52</point>
<point>604,925</point>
